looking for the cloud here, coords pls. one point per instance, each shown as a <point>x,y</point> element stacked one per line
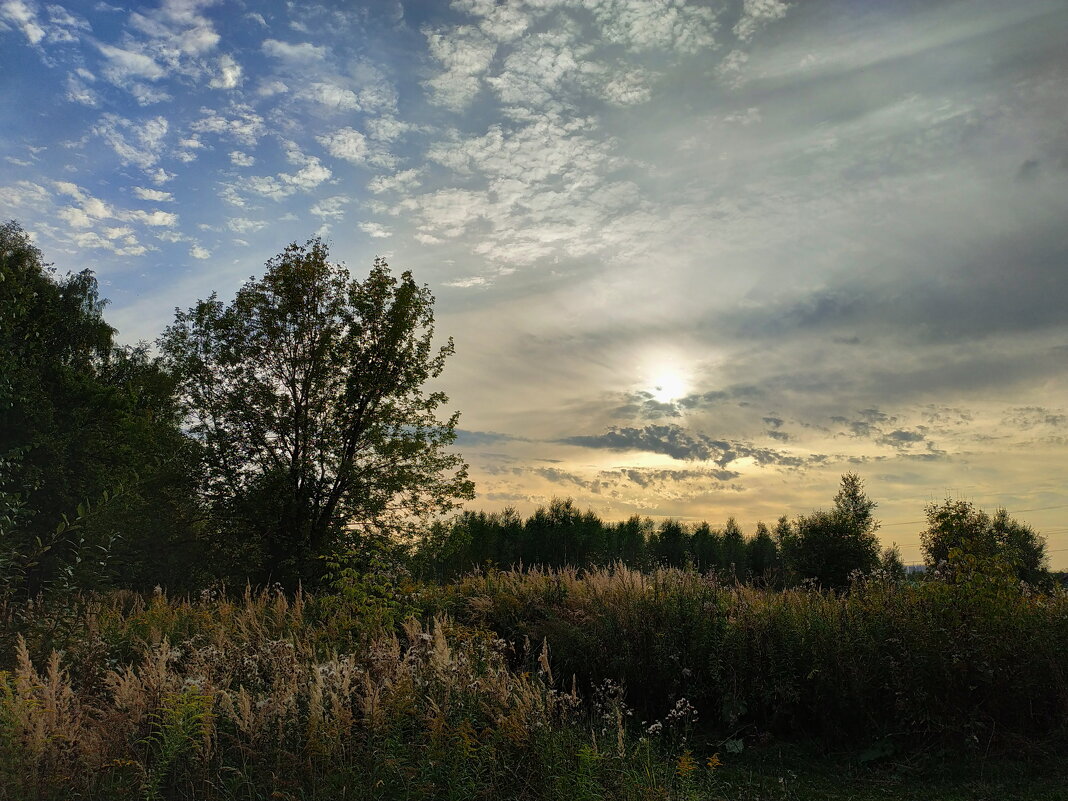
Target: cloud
<point>241,225</point>
<point>331,207</point>
<point>240,123</point>
<point>240,159</point>
<point>156,195</point>
<point>465,54</point>
<point>649,24</point>
<point>198,252</point>
<point>138,143</point>
<point>229,74</point>
<point>301,53</point>
<point>756,14</point>
<point>125,65</point>
<point>346,143</point>
<point>334,97</point>
<point>402,181</point>
<point>375,230</point>
<point>678,443</point>
<point>24,17</point>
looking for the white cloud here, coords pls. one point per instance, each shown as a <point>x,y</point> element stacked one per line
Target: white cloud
<point>268,186</point>
<point>24,17</point>
<point>177,32</point>
<point>346,143</point>
<point>731,69</point>
<point>628,88</point>
<point>332,96</point>
<point>241,123</point>
<point>229,74</point>
<point>271,88</point>
<point>78,92</point>
<point>649,24</point>
<point>402,181</point>
<point>148,95</point>
<point>160,175</point>
<point>125,65</point>
<point>331,207</point>
<point>375,230</point>
<point>198,252</point>
<point>466,54</point>
<point>241,225</point>
<point>386,128</point>
<point>155,219</point>
<point>155,195</point>
<point>756,14</point>
<point>303,52</point>
<point>240,159</point>
<point>309,176</point>
<point>134,143</point>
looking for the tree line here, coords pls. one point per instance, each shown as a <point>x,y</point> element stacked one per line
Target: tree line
<point>828,548</point>
<point>272,438</point>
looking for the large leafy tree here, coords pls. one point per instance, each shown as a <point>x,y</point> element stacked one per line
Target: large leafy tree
<point>307,394</point>
<point>963,539</point>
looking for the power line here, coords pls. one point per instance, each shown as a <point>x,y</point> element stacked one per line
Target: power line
<point>1015,512</point>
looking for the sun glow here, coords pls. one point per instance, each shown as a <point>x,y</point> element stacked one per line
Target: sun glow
<point>669,385</point>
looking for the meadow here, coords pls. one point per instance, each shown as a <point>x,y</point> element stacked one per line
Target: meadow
<point>604,683</point>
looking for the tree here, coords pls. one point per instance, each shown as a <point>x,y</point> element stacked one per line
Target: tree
<point>81,420</point>
<point>961,537</point>
<point>734,552</point>
<point>891,563</point>
<point>307,394</point>
<point>763,555</point>
<point>829,546</point>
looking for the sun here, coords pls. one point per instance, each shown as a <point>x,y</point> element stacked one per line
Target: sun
<point>669,385</point>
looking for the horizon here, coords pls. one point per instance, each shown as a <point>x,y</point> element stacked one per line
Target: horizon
<point>699,260</point>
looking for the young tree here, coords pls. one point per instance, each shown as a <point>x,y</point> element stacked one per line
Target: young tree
<point>307,394</point>
<point>829,546</point>
<point>763,555</point>
<point>734,552</point>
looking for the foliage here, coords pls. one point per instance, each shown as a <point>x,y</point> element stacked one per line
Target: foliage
<point>80,420</point>
<point>306,393</point>
<point>930,659</point>
<point>829,547</point>
<point>961,541</point>
<point>237,701</point>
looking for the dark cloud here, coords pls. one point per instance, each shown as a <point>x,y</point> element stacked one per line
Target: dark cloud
<point>678,443</point>
<point>1029,417</point>
<point>1028,171</point>
<point>645,406</point>
<point>477,438</point>
<point>650,477</point>
<point>900,438</point>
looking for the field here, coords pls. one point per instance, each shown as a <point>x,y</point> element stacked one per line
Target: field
<point>609,683</point>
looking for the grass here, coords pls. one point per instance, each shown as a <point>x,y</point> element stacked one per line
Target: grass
<point>539,685</point>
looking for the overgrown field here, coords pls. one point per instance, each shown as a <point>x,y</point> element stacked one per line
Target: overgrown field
<point>607,684</point>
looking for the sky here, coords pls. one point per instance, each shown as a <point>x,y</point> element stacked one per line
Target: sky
<point>699,259</point>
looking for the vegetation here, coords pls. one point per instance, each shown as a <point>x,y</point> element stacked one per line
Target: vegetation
<point>306,397</point>
<point>286,441</point>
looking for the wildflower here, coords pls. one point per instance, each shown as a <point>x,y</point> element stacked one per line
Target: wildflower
<point>713,762</point>
<point>686,764</point>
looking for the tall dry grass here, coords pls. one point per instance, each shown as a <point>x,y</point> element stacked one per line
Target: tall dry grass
<point>959,661</point>
<point>247,699</point>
